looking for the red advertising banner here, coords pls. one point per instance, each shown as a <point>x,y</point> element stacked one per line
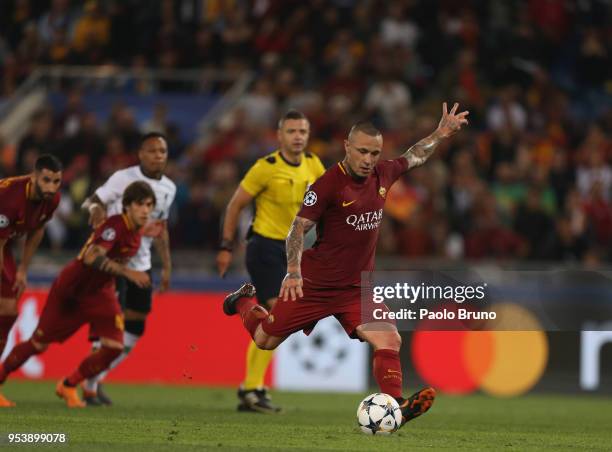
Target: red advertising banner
<point>188,340</point>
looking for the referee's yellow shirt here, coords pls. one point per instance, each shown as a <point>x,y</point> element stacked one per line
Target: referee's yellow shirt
<point>278,187</point>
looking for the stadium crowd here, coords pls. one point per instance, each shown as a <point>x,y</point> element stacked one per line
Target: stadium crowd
<point>530,178</point>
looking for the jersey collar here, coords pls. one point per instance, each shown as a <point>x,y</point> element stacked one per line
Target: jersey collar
<point>280,154</point>
<point>127,222</point>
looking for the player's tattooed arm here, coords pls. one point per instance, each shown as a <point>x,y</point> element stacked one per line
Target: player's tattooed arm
<point>162,245</point>
<point>95,257</point>
<point>450,123</point>
<point>96,209</point>
<point>295,243</point>
<point>292,283</point>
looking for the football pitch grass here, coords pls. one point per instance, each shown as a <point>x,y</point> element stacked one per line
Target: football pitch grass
<point>152,418</point>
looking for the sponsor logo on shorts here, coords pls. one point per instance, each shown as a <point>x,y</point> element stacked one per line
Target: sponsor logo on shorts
<point>310,199</point>
<point>109,234</point>
<point>270,318</point>
<point>4,221</point>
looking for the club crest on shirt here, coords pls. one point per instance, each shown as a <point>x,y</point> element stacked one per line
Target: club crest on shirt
<point>109,234</point>
<point>382,191</point>
<point>310,199</point>
<point>4,221</point>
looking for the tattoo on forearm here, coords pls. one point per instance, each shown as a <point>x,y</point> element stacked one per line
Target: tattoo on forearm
<point>107,265</point>
<point>295,241</point>
<point>421,151</point>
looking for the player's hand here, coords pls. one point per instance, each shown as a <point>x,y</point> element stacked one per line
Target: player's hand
<point>165,280</point>
<point>452,121</point>
<point>141,279</point>
<point>153,229</point>
<point>291,287</point>
<point>224,259</point>
<point>97,215</point>
<point>21,281</point>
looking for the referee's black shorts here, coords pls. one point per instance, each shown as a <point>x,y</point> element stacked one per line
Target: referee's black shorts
<point>266,262</point>
<point>133,297</point>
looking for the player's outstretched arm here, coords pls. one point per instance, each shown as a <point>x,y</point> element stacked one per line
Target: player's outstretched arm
<point>95,256</point>
<point>450,123</point>
<point>96,209</point>
<point>292,283</point>
<point>29,248</point>
<point>238,202</point>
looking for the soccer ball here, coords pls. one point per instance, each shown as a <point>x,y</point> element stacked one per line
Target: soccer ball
<point>379,414</point>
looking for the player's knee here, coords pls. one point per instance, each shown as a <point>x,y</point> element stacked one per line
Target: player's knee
<point>135,327</point>
<point>264,343</point>
<point>111,344</point>
<point>39,346</point>
<point>395,341</point>
<point>8,307</point>
<point>390,340</point>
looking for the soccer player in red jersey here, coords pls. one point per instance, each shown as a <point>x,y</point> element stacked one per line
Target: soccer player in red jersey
<point>84,292</point>
<point>346,204</point>
<point>26,204</point>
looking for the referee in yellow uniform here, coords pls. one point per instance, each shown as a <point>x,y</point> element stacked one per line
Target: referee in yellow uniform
<point>277,183</point>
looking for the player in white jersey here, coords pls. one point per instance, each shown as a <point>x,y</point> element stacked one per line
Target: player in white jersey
<point>106,201</point>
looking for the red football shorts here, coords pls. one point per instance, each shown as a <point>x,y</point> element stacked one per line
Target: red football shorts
<point>289,316</point>
<point>9,272</point>
<point>66,311</point>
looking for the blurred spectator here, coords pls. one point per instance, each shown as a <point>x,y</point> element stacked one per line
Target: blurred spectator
<point>531,176</point>
<point>36,141</point>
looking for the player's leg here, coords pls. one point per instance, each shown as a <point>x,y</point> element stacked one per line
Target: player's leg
<point>267,265</point>
<point>136,305</point>
<point>243,302</point>
<point>8,299</point>
<point>15,359</point>
<point>386,342</point>
<point>106,323</point>
<point>55,325</point>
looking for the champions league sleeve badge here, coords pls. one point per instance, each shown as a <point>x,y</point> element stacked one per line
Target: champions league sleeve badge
<point>109,234</point>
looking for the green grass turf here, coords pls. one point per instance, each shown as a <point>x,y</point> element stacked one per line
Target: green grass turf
<point>152,418</point>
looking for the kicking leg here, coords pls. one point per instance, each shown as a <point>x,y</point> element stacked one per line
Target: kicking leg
<point>387,369</point>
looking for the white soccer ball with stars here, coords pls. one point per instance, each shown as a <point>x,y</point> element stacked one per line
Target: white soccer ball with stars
<point>379,414</point>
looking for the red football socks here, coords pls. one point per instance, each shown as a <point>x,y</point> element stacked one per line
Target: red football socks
<point>6,323</point>
<point>19,355</point>
<point>93,365</point>
<point>388,372</point>
<point>251,313</point>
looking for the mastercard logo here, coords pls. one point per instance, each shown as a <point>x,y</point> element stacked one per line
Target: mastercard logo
<point>500,363</point>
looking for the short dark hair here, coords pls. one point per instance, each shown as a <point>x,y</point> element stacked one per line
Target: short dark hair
<point>48,162</point>
<point>149,135</point>
<point>291,114</point>
<point>365,127</point>
<point>137,192</point>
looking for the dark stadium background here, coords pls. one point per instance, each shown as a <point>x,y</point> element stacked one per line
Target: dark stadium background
<point>527,184</point>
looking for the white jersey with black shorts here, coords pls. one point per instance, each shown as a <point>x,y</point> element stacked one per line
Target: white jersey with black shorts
<point>111,195</point>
